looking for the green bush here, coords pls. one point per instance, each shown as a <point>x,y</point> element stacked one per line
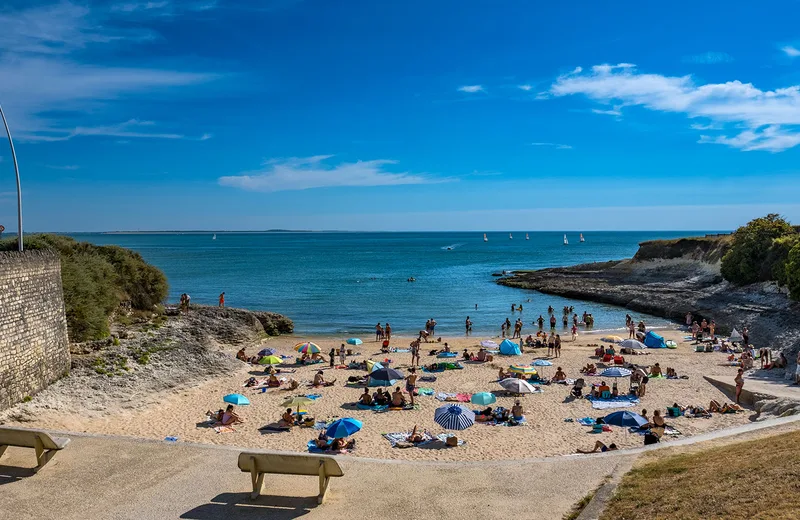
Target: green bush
<point>754,254</point>
<point>779,256</point>
<point>792,272</point>
<point>96,280</point>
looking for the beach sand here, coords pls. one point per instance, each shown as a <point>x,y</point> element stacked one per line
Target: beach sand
<point>179,412</point>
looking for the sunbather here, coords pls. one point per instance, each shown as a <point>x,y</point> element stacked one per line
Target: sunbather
<point>319,380</point>
<point>322,441</point>
<point>273,381</point>
<point>590,368</point>
<point>366,398</point>
<point>287,419</point>
<point>293,384</point>
<point>380,398</point>
<point>503,374</point>
<point>655,370</point>
<point>560,375</point>
<point>251,382</point>
<point>516,411</point>
<point>229,417</point>
<point>415,437</point>
<point>714,406</point>
<point>241,355</point>
<point>398,400</point>
<point>599,446</point>
<point>671,374</point>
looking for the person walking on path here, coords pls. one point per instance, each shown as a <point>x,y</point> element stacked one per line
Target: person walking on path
<point>739,380</point>
<point>222,300</point>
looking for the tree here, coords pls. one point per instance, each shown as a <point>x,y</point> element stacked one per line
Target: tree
<point>792,272</point>
<point>752,257</point>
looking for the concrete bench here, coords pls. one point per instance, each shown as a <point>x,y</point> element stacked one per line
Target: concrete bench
<point>259,464</point>
<point>45,445</point>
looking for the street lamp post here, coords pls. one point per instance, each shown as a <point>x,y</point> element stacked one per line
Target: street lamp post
<point>19,189</point>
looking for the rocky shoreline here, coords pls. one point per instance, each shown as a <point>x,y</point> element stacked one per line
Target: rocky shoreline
<point>670,288</point>
<point>139,362</point>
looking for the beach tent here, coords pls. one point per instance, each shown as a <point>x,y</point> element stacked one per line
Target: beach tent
<point>653,340</point>
<point>509,348</point>
<point>736,337</point>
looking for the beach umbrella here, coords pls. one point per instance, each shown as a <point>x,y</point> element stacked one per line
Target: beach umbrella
<point>373,365</point>
<point>307,348</point>
<point>625,419</point>
<point>736,337</point>
<point>270,360</point>
<point>454,417</point>
<point>542,363</point>
<point>615,372</point>
<point>483,398</point>
<point>611,339</point>
<point>267,352</point>
<point>343,428</point>
<point>522,369</point>
<point>489,344</point>
<point>237,399</point>
<point>296,401</point>
<point>385,374</point>
<point>517,386</point>
<point>633,344</point>
<point>354,341</point>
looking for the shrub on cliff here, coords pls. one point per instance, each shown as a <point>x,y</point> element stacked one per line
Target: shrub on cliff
<point>96,279</point>
<point>792,272</point>
<point>754,253</point>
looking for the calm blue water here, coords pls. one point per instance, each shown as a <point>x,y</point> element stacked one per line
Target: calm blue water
<point>344,283</point>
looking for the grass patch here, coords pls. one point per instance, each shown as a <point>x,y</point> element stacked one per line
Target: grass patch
<point>757,479</point>
<point>576,510</point>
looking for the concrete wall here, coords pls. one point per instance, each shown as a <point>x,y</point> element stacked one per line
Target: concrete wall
<point>34,349</point>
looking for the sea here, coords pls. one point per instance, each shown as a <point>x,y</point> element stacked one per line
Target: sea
<point>342,283</point>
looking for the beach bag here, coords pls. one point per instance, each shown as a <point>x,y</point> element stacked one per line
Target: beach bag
<point>651,438</point>
<point>451,441</point>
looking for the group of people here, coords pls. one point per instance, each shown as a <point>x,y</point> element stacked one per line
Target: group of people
<point>383,333</point>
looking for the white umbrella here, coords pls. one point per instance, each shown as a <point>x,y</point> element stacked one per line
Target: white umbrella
<point>517,386</point>
<point>633,344</point>
<point>489,344</point>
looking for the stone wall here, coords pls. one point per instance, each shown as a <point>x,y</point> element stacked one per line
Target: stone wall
<point>34,349</point>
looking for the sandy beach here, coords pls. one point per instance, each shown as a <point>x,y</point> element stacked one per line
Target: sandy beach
<point>180,412</point>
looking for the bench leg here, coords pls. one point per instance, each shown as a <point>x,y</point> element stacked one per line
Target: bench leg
<point>323,483</point>
<point>256,478</point>
<point>42,456</point>
<point>3,449</point>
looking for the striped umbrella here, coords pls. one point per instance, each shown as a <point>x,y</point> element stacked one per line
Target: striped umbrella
<point>522,369</point>
<point>270,360</point>
<point>615,372</point>
<point>454,417</point>
<point>307,348</point>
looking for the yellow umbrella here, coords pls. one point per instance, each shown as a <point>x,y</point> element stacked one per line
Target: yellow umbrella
<point>270,360</point>
<point>522,369</point>
<point>297,401</point>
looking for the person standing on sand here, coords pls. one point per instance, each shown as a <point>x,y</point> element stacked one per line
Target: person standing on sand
<point>746,336</point>
<point>332,355</point>
<point>631,330</point>
<point>712,327</point>
<point>222,300</point>
<point>558,345</point>
<point>411,383</point>
<point>739,380</point>
<point>378,332</point>
<point>388,331</point>
<point>415,353</point>
<point>342,354</point>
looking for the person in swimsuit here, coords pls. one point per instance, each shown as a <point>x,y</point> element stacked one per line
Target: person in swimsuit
<point>414,437</point>
<point>287,419</point>
<point>222,300</point>
<point>516,411</point>
<point>388,331</point>
<point>229,417</point>
<point>411,383</point>
<point>739,380</point>
<point>599,446</point>
<point>397,398</point>
<point>415,352</point>
<point>560,375</point>
<point>332,355</point>
<point>366,399</point>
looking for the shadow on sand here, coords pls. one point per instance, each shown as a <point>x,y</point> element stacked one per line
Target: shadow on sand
<point>235,506</point>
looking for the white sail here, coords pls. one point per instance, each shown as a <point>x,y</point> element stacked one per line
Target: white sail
<point>510,237</point>
<point>214,237</point>
<point>582,240</point>
<point>566,242</point>
<point>484,238</point>
<point>527,237</point>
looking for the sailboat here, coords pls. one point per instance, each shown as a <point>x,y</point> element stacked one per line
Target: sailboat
<point>214,237</point>
<point>510,237</point>
<point>582,240</point>
<point>527,237</point>
<point>484,238</point>
<point>566,242</point>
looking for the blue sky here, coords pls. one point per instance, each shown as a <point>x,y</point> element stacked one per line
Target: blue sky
<point>383,115</point>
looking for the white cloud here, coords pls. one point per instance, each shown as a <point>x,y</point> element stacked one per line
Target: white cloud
<point>69,167</point>
<point>710,126</point>
<point>791,51</point>
<point>526,87</point>
<point>733,102</point>
<point>471,88</point>
<point>709,58</point>
<point>129,129</point>
<point>302,173</point>
<point>42,74</point>
<point>610,112</point>
<point>557,146</point>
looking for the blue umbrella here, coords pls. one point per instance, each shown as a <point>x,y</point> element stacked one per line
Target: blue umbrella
<point>343,428</point>
<point>542,363</point>
<point>354,341</point>
<point>237,399</point>
<point>266,352</point>
<point>386,374</point>
<point>625,419</point>
<point>615,372</point>
<point>454,417</point>
<point>483,398</point>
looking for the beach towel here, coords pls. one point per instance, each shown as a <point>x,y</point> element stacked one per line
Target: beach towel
<point>427,379</point>
<point>398,408</point>
<point>426,391</point>
<point>669,430</point>
<point>622,401</point>
<point>313,397</point>
<point>274,427</point>
<point>312,448</point>
<point>224,429</point>
<point>373,407</point>
<point>171,438</point>
<point>458,398</point>
<point>400,438</point>
<point>443,437</point>
<point>662,376</point>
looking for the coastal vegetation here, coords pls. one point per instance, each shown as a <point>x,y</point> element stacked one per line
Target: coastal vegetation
<point>97,280</point>
<point>698,485</point>
<point>765,249</point>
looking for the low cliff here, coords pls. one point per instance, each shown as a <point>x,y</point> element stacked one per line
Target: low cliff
<point>670,278</point>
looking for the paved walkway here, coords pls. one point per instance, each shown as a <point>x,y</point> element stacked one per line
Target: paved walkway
<point>122,478</point>
<point>757,386</point>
